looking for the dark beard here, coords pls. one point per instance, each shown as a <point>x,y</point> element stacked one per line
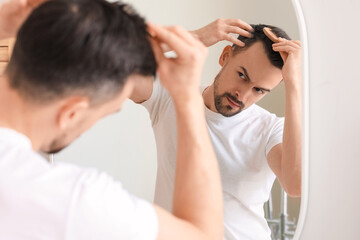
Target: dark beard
<point>225,110</point>
<point>53,151</point>
<point>56,146</point>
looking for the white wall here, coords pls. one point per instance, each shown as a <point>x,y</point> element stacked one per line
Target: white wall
<point>334,149</point>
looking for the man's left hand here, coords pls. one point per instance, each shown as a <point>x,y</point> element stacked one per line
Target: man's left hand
<point>290,51</point>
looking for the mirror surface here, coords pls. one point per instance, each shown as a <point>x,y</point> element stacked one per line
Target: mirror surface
<point>123,144</point>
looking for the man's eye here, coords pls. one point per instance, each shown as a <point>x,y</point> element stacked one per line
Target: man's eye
<point>242,75</point>
<point>258,90</point>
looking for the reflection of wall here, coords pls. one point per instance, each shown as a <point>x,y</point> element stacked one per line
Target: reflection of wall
<point>123,144</point>
<point>293,203</point>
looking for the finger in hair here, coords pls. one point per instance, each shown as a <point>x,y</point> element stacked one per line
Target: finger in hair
<point>240,23</point>
<point>234,40</point>
<point>283,49</point>
<point>239,31</point>
<point>163,35</point>
<point>158,53</point>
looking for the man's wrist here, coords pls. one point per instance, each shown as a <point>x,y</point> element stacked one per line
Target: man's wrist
<point>197,36</point>
<point>194,34</point>
<point>293,83</point>
<point>185,99</point>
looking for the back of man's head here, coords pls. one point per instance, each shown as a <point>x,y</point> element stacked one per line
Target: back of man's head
<point>86,47</point>
<point>259,36</point>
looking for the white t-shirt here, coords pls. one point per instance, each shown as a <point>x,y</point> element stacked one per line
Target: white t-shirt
<point>241,144</point>
<point>62,201</point>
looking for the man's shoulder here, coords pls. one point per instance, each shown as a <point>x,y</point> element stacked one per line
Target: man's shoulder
<point>261,112</point>
<point>159,93</point>
<point>263,117</point>
<point>36,170</point>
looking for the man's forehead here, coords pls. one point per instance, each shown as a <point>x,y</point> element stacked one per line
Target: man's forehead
<point>257,64</point>
<point>254,56</point>
<point>256,49</point>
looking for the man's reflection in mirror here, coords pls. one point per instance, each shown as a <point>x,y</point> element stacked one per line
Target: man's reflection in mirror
<point>253,146</point>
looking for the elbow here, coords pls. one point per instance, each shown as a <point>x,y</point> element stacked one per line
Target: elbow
<point>293,191</point>
<point>292,185</point>
<point>294,194</point>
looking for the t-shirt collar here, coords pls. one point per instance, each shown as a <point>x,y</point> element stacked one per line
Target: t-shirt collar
<point>12,137</point>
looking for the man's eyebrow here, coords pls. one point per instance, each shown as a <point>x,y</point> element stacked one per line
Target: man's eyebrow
<point>265,89</point>
<point>246,73</point>
<point>247,76</point>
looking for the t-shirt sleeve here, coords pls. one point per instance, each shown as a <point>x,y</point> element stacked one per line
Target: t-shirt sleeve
<point>156,103</point>
<point>276,134</point>
<point>102,209</point>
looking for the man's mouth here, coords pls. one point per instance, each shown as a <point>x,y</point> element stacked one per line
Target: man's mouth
<point>232,103</point>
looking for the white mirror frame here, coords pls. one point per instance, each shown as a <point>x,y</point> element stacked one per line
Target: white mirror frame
<point>305,119</point>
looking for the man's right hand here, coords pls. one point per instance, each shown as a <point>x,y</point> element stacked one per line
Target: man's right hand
<point>197,211</point>
<point>221,29</point>
<point>180,75</point>
<point>12,15</point>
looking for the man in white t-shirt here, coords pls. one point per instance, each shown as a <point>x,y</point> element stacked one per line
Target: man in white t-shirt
<point>74,62</point>
<point>252,145</point>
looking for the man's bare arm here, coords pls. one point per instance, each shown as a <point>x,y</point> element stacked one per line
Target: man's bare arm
<point>285,159</point>
<point>197,205</point>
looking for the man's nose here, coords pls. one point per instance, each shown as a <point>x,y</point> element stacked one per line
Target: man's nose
<point>243,95</point>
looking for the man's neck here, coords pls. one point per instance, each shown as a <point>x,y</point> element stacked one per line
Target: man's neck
<point>16,114</point>
<point>208,96</point>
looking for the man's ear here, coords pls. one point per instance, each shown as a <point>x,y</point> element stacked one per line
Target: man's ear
<point>225,55</point>
<point>72,111</point>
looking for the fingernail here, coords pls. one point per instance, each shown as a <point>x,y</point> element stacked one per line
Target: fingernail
<point>150,30</point>
<point>151,33</point>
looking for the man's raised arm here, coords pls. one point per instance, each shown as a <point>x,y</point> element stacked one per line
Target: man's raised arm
<point>285,159</point>
<point>197,205</point>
